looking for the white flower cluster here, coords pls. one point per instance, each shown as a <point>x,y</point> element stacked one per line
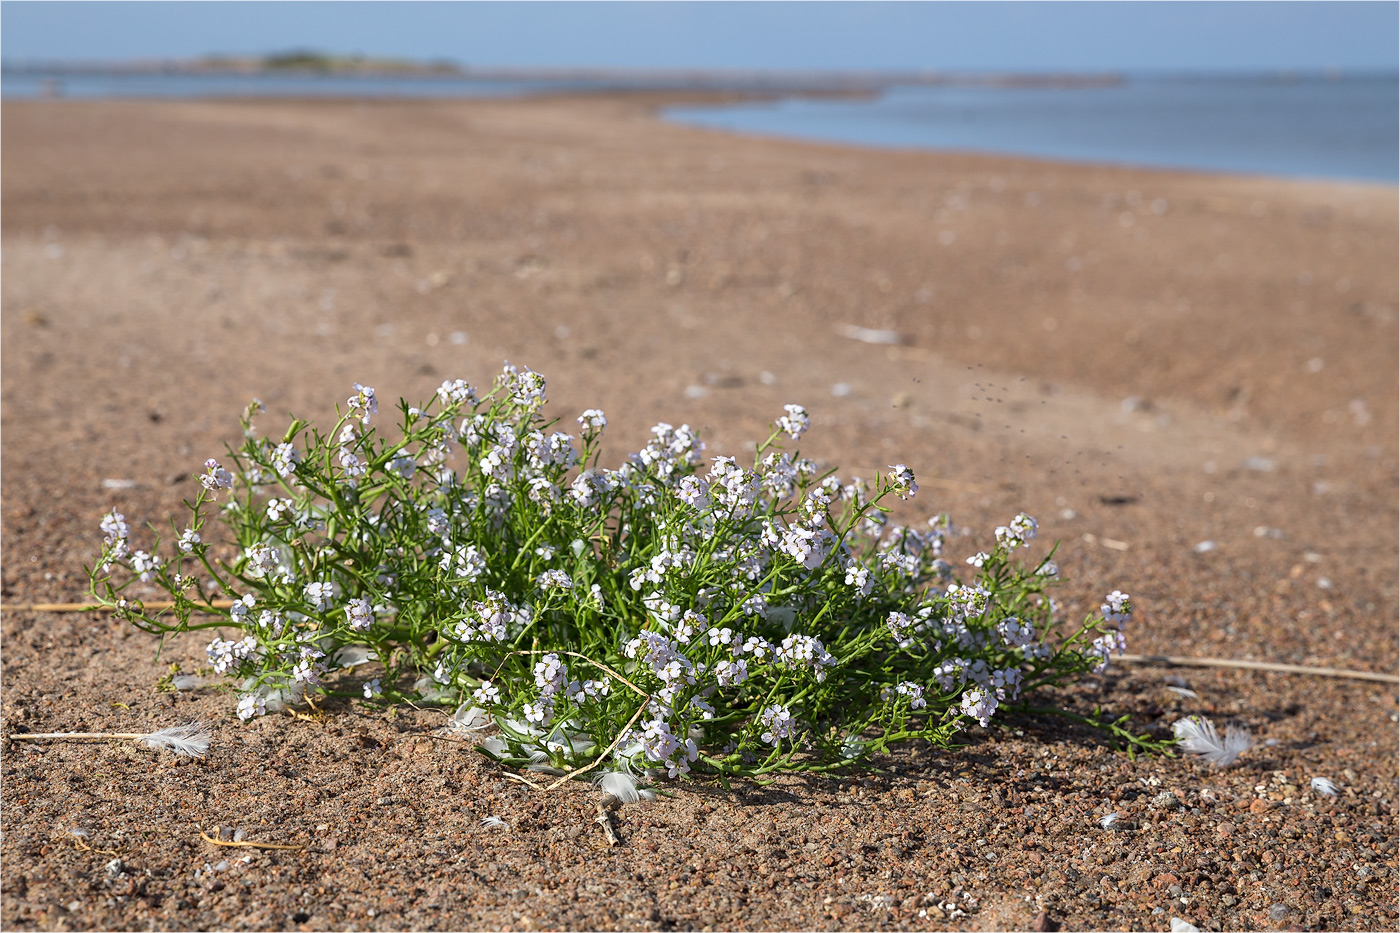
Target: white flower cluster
<point>1020,532</point>
<point>229,656</point>
<point>490,619</point>
<point>215,477</point>
<point>796,422</point>
<point>363,403</point>
<point>735,600</point>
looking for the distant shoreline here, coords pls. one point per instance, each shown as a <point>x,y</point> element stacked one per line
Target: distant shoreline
<point>642,79</point>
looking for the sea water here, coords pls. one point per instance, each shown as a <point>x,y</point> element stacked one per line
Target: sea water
<point>1312,126</point>
<point>1328,127</point>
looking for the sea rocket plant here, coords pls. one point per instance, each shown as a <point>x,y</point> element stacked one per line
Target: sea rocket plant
<point>680,611</point>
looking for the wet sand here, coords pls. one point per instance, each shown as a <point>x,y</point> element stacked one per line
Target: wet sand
<point>1143,360</point>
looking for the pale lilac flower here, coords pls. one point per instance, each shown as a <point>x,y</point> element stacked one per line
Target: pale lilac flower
<point>796,422</point>
<point>285,458</point>
<point>592,421</point>
<point>115,527</point>
<point>914,692</point>
<point>550,675</point>
<point>1103,647</point>
<point>756,646</point>
<point>225,656</point>
<point>860,579</point>
<point>272,622</point>
<point>308,672</point>
<point>372,688</point>
<point>362,403</point>
<point>352,465</point>
<point>978,704</point>
<point>1117,607</point>
<point>144,564</point>
<point>540,712</point>
<point>555,579</point>
<point>1006,683</point>
<point>404,465</point>
<point>778,724</point>
<point>359,615</point>
<point>465,561</point>
<point>250,705</point>
<point>694,492</point>
<point>238,612</point>
<point>319,594</point>
<point>593,689</point>
<point>979,559</point>
<point>1015,632</point>
<point>732,673</point>
<point>215,477</point>
<point>1019,533</point>
<point>455,392</point>
<point>527,387</point>
<point>902,481</point>
<point>720,636</point>
<point>968,602</point>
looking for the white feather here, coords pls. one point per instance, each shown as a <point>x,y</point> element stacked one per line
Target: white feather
<point>430,691</point>
<point>1324,787</point>
<point>1197,736</point>
<point>495,822</point>
<point>469,718</point>
<point>618,783</point>
<point>354,655</point>
<point>1108,820</point>
<point>496,746</point>
<point>191,740</point>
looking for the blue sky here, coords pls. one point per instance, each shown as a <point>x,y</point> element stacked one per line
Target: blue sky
<point>1134,36</point>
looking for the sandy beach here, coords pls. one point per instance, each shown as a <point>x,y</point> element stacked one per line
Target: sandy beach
<point>1145,361</point>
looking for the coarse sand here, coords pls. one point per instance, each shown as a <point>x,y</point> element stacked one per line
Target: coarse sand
<point>1146,361</point>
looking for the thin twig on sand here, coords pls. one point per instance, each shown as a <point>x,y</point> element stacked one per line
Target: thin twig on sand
<point>1177,661</point>
<point>245,843</point>
<point>103,607</point>
<point>609,802</point>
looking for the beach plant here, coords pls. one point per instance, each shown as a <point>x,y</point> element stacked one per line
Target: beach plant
<point>674,614</point>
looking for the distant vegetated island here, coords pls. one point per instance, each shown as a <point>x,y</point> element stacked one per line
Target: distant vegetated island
<point>313,61</point>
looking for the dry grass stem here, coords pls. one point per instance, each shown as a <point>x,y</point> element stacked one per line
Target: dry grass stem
<point>245,843</point>
<point>84,847</point>
<point>99,607</point>
<point>1176,661</point>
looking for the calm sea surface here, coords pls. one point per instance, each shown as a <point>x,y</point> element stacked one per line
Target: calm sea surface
<point>1343,128</point>
<point>1310,127</point>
